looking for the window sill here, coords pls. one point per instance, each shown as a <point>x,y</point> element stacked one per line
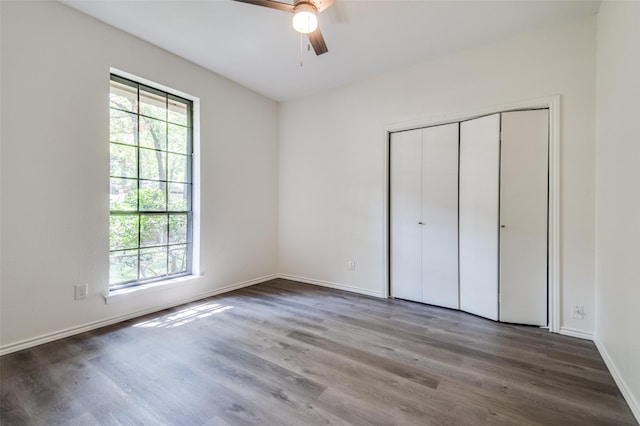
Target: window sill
<point>125,293</point>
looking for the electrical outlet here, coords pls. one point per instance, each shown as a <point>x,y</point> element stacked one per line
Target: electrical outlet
<point>577,312</point>
<point>352,265</point>
<point>82,290</point>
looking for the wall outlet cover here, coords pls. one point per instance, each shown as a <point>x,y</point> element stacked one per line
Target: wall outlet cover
<point>577,312</point>
<point>81,291</point>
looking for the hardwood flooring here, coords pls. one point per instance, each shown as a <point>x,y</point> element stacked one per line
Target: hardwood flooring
<point>286,353</point>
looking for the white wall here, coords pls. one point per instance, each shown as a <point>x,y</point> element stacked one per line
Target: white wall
<point>617,199</point>
<point>55,170</point>
<point>332,160</point>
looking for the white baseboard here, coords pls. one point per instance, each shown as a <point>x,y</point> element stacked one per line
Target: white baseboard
<point>633,403</point>
<point>576,333</point>
<point>61,334</point>
<point>329,284</point>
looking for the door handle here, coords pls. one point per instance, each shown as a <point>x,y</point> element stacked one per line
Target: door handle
<point>420,223</point>
<point>503,226</point>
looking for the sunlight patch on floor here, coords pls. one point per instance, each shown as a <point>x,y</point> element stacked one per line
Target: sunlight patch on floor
<point>184,316</point>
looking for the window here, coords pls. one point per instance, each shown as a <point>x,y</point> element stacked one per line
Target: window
<point>150,232</point>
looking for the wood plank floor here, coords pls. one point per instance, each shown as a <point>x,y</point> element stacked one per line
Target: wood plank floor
<point>286,353</point>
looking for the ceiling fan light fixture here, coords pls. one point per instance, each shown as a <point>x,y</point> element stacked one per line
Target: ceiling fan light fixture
<point>305,18</point>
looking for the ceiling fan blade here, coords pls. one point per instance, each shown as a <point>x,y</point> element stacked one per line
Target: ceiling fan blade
<point>322,4</point>
<point>317,41</point>
<point>270,4</point>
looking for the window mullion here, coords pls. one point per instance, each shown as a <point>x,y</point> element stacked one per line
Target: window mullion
<point>138,183</point>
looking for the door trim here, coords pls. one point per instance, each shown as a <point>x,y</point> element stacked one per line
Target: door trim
<point>550,102</point>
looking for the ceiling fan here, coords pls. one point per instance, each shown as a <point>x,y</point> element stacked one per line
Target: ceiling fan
<point>305,18</point>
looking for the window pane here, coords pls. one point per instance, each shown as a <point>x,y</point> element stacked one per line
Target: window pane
<point>153,230</point>
<point>123,96</point>
<point>153,195</point>
<point>123,231</point>
<point>178,197</point>
<point>152,104</point>
<point>123,161</point>
<point>153,133</point>
<point>123,266</point>
<point>177,228</point>
<point>124,194</point>
<point>178,139</point>
<point>153,262</point>
<point>150,141</point>
<point>178,167</point>
<point>177,259</point>
<point>123,127</point>
<point>152,164</point>
<point>178,112</point>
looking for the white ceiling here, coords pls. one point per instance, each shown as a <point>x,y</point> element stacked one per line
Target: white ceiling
<point>258,48</point>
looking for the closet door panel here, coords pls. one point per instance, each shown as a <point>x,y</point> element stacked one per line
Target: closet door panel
<point>440,215</point>
<point>405,195</point>
<point>523,217</point>
<point>479,189</point>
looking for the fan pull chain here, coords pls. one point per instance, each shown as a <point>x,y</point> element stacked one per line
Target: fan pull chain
<point>301,43</point>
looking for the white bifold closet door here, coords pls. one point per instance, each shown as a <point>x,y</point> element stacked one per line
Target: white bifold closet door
<point>479,209</point>
<point>406,206</point>
<point>440,215</point>
<point>523,217</point>
<point>424,215</point>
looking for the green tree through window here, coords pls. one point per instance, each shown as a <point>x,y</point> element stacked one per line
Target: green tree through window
<point>150,231</point>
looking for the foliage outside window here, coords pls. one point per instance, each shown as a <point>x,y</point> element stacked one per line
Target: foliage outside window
<point>151,149</point>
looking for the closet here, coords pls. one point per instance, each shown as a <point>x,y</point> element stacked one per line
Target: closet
<point>469,213</point>
<point>524,189</point>
<point>479,215</point>
<point>424,215</point>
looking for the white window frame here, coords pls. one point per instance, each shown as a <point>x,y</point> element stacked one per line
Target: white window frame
<point>111,294</point>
